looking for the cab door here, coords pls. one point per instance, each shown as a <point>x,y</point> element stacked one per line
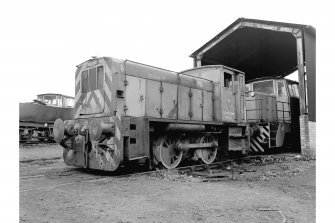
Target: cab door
<point>283,106</point>
<point>227,97</point>
<point>240,97</point>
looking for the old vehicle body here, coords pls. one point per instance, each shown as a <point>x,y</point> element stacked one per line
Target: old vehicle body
<point>272,111</point>
<point>127,111</point>
<point>37,118</point>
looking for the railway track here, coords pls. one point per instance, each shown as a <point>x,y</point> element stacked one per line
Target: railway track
<point>33,143</point>
<point>214,170</point>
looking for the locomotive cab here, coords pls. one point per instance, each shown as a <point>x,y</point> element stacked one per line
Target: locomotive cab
<point>271,111</point>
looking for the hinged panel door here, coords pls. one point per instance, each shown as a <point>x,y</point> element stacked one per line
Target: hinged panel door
<point>169,101</point>
<point>207,106</point>
<point>153,99</point>
<point>241,101</point>
<point>183,103</point>
<point>196,104</point>
<point>135,96</point>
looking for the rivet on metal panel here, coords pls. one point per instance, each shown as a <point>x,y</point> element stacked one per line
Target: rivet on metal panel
<point>125,82</point>
<point>161,89</point>
<point>125,108</point>
<point>141,97</point>
<point>190,114</point>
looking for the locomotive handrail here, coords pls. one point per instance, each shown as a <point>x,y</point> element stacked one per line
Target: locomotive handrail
<point>279,117</point>
<point>284,111</point>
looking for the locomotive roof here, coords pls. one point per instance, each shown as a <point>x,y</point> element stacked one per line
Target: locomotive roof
<point>229,68</point>
<point>256,47</point>
<point>269,78</point>
<point>55,94</point>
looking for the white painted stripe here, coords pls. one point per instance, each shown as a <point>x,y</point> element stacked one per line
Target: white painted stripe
<point>100,97</point>
<point>78,78</point>
<point>79,110</point>
<point>259,139</point>
<point>106,108</point>
<point>262,136</point>
<point>117,132</point>
<point>253,147</point>
<point>76,98</point>
<point>265,132</point>
<point>258,146</point>
<point>93,105</point>
<point>108,92</point>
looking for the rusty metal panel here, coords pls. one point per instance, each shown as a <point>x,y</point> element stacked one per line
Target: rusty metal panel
<point>153,99</point>
<point>169,101</point>
<point>184,103</point>
<point>196,105</point>
<point>208,106</point>
<point>135,96</point>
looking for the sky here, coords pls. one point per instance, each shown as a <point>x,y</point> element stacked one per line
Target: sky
<point>41,42</point>
<point>47,39</point>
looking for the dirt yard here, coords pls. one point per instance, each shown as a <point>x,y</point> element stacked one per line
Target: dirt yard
<point>277,190</point>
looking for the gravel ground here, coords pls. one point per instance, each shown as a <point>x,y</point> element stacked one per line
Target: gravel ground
<point>278,190</point>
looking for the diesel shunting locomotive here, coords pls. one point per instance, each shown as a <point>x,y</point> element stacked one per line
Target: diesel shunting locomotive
<point>272,112</point>
<point>127,111</point>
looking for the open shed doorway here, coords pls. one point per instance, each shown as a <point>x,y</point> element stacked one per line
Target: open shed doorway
<point>266,49</point>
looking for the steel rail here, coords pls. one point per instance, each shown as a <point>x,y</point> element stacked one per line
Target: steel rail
<point>183,169</point>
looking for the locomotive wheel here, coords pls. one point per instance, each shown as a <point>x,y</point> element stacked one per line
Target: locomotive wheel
<point>207,156</point>
<point>168,154</point>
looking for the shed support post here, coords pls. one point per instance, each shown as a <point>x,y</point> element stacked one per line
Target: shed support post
<point>301,75</point>
<point>303,120</point>
<point>197,61</point>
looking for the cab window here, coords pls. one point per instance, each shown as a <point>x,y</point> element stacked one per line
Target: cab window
<point>228,83</point>
<point>51,100</point>
<point>281,91</point>
<point>248,87</point>
<point>68,102</point>
<point>264,87</point>
<point>92,79</point>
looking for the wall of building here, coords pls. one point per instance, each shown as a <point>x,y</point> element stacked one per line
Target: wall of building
<point>307,137</point>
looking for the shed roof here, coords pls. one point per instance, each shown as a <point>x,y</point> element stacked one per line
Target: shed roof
<point>257,47</point>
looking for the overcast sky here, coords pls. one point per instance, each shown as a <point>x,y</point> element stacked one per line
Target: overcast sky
<point>41,42</point>
<point>45,40</point>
